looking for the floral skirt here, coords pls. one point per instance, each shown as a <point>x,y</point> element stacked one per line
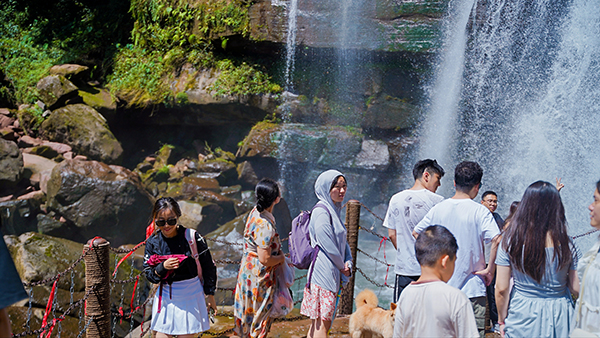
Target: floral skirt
<point>318,303</point>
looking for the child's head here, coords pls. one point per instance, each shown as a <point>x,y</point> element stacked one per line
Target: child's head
<point>436,249</point>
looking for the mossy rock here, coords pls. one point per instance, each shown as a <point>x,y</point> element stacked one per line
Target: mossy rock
<point>85,130</point>
<point>11,164</point>
<point>55,90</point>
<point>100,99</point>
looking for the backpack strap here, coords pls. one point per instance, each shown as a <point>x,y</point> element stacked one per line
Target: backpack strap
<point>312,265</point>
<point>190,236</point>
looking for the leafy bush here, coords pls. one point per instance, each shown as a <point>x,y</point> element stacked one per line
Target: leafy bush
<point>242,80</point>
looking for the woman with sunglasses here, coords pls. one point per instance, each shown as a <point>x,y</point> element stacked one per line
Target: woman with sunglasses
<point>179,307</point>
<point>255,289</point>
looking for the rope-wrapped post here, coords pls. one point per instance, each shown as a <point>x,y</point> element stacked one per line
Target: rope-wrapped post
<point>97,280</point>
<point>352,220</point>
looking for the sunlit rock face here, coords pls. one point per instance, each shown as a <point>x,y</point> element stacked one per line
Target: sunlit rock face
<point>385,25</point>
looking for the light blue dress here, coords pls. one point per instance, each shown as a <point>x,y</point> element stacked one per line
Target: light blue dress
<point>539,309</point>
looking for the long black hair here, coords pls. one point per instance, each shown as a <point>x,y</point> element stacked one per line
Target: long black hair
<point>266,192</point>
<point>540,214</point>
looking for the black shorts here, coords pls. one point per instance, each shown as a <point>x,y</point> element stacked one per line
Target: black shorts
<point>402,282</point>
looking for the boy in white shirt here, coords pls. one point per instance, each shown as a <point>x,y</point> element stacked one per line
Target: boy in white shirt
<point>472,224</point>
<point>429,307</point>
<point>405,210</point>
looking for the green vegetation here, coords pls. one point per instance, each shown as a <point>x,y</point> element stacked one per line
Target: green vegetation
<point>136,47</point>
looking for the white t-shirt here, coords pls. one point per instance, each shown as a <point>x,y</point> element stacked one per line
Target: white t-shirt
<point>472,224</point>
<point>405,210</point>
<point>434,309</point>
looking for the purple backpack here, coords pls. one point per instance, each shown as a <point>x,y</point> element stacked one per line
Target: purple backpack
<point>302,254</point>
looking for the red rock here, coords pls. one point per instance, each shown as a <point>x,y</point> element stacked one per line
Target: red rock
<point>27,141</point>
<point>16,124</point>
<point>150,159</point>
<point>68,155</point>
<point>32,195</point>
<point>6,198</point>
<point>80,157</point>
<point>4,111</point>
<point>6,121</point>
<point>60,148</point>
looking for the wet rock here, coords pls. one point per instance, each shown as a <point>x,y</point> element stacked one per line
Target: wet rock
<point>191,185</point>
<point>11,165</point>
<point>387,112</point>
<point>54,90</point>
<point>85,130</point>
<point>201,216</point>
<point>246,174</point>
<point>374,155</point>
<point>101,200</point>
<point>35,167</point>
<point>49,225</point>
<point>19,216</point>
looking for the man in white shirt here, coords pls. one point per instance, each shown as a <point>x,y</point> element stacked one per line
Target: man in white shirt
<point>472,224</point>
<point>405,210</point>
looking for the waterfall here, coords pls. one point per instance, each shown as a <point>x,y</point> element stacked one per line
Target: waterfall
<point>438,128</point>
<point>523,101</point>
<point>290,47</point>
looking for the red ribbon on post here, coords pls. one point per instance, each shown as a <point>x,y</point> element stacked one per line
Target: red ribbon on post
<point>383,240</point>
<point>48,309</point>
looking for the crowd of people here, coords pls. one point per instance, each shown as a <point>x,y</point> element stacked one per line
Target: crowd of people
<point>455,257</point>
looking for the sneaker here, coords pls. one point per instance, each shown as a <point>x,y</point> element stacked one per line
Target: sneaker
<point>496,328</point>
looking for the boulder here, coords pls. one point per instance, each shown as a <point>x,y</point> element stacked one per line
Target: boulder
<point>11,165</point>
<point>387,112</point>
<point>27,141</point>
<point>100,200</point>
<point>374,155</point>
<point>100,99</point>
<point>85,130</point>
<point>201,216</point>
<point>246,174</point>
<point>36,167</point>
<point>71,71</point>
<point>55,90</point>
<point>19,216</point>
<point>38,257</point>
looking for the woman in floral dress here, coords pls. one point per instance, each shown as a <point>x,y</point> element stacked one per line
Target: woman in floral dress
<point>262,254</point>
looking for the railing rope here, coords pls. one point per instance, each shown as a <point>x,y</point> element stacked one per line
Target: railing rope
<point>352,221</point>
<point>97,278</point>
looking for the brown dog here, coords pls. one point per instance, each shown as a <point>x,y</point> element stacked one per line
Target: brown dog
<point>369,319</point>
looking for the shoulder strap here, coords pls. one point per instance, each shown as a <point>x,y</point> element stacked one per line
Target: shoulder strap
<point>190,236</point>
<point>312,264</point>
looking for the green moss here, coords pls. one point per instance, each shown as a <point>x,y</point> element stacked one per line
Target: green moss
<point>242,79</point>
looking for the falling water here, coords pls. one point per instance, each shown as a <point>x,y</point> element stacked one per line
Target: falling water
<point>439,126</point>
<point>290,49</point>
<point>527,103</point>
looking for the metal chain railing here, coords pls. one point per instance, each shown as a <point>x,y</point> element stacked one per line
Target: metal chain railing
<point>58,275</point>
<point>373,258</point>
<point>372,281</point>
<point>58,319</point>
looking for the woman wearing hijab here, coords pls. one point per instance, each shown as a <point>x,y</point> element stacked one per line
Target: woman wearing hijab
<point>333,263</point>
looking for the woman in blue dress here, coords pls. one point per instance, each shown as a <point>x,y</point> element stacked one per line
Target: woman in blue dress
<point>537,252</point>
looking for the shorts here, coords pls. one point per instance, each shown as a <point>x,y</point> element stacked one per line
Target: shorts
<point>318,303</point>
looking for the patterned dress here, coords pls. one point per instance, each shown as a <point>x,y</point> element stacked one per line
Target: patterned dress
<point>256,283</point>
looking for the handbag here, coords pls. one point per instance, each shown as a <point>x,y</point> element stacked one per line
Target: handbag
<point>283,303</point>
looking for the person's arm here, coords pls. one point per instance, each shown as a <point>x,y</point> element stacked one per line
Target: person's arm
<point>573,283</point>
<point>488,272</point>
<point>153,273</point>
<point>347,270</point>
<point>502,294</point>
<point>267,259</point>
<point>392,236</point>
<point>424,223</point>
<point>323,233</point>
<point>5,329</point>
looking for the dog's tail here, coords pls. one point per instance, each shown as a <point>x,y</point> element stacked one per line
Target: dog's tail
<point>366,297</point>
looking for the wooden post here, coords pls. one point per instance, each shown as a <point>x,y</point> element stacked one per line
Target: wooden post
<point>352,220</point>
<point>97,276</point>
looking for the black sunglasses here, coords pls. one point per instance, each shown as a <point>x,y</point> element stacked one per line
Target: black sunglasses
<point>162,222</point>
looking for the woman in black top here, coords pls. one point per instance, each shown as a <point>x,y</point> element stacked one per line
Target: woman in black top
<point>179,306</point>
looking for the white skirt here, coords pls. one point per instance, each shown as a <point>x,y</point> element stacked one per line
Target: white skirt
<point>183,312</point>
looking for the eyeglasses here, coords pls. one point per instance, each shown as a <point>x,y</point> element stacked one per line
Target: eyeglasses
<point>162,222</point>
